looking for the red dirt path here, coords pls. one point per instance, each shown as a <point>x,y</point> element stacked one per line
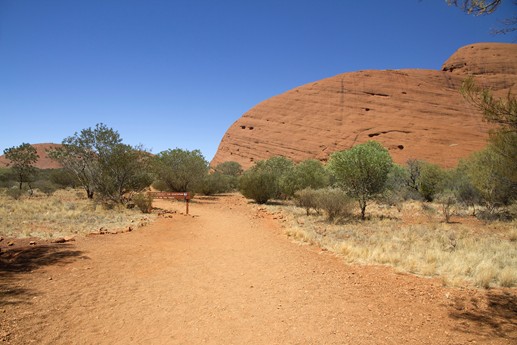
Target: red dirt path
<point>227,275</point>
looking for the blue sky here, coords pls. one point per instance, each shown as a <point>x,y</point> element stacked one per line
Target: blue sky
<point>170,74</point>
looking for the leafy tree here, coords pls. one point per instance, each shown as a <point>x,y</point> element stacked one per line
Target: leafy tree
<point>79,154</point>
<point>101,163</point>
<point>503,140</point>
<point>502,111</point>
<point>122,170</point>
<point>181,170</point>
<point>306,174</point>
<point>22,159</point>
<point>362,171</point>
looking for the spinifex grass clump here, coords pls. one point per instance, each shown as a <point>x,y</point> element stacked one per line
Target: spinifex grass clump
<point>66,212</point>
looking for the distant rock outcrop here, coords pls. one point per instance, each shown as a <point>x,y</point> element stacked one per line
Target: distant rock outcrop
<point>44,162</point>
<point>414,113</point>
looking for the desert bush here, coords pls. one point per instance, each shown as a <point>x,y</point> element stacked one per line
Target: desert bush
<point>159,185</point>
<point>306,174</point>
<point>430,180</point>
<point>143,201</point>
<point>216,183</point>
<point>308,199</point>
<point>232,170</point>
<point>63,179</point>
<point>262,181</point>
<point>334,201</point>
<point>181,170</point>
<point>487,173</point>
<point>258,184</point>
<point>229,168</point>
<point>45,186</point>
<point>447,201</point>
<point>15,192</point>
<point>362,171</point>
<point>7,178</point>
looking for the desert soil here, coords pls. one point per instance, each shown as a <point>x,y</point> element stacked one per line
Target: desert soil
<point>227,274</point>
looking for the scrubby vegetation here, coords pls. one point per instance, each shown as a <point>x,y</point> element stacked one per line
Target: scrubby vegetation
<point>66,212</point>
<point>415,240</point>
<point>456,223</point>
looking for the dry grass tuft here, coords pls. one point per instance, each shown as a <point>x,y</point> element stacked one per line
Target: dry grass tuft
<point>65,213</point>
<point>417,241</point>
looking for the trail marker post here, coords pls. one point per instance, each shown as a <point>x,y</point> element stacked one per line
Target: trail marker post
<point>172,195</point>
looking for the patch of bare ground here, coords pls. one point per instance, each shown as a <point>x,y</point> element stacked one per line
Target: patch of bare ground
<point>226,274</point>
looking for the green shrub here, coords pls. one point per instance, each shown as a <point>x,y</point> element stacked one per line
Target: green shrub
<point>262,181</point>
<point>307,174</point>
<point>45,186</point>
<point>159,185</point>
<point>334,201</point>
<point>258,184</point>
<point>362,171</point>
<point>430,181</point>
<point>216,183</point>
<point>307,198</point>
<point>143,201</point>
<point>63,178</point>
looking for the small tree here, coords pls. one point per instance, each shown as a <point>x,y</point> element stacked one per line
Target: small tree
<point>362,171</point>
<point>79,154</point>
<point>181,170</point>
<point>101,163</point>
<point>122,170</point>
<point>22,159</point>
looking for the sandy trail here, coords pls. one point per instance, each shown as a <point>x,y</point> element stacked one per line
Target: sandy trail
<point>228,275</point>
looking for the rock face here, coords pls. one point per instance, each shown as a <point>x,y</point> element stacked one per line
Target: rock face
<point>414,113</point>
<point>44,162</point>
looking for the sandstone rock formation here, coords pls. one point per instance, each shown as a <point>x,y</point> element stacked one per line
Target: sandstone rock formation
<point>414,113</point>
<point>44,162</point>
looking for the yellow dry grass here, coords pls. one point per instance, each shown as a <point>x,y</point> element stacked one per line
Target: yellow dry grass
<point>416,241</point>
<point>65,213</point>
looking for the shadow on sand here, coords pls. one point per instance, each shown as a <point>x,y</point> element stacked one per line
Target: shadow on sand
<point>497,319</point>
<point>17,261</point>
